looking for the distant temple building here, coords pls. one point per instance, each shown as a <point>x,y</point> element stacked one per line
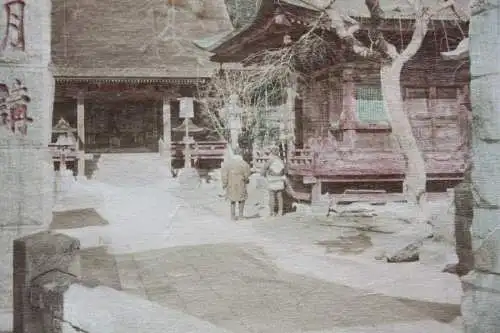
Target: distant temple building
<point>120,67</point>
<point>341,134</point>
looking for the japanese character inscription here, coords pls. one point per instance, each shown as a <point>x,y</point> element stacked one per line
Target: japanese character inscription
<point>14,108</point>
<point>13,32</point>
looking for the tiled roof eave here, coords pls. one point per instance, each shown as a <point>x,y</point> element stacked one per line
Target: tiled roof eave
<point>219,43</point>
<point>110,80</point>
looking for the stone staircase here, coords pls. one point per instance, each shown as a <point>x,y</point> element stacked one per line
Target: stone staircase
<point>132,170</point>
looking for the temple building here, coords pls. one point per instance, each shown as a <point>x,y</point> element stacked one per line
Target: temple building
<point>120,68</point>
<point>340,133</point>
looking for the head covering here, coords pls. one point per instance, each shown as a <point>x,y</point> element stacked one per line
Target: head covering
<point>237,151</point>
<point>275,150</point>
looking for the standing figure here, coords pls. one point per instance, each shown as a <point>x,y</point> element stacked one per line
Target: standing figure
<point>235,177</point>
<point>274,171</point>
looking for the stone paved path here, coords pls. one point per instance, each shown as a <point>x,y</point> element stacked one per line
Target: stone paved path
<point>98,267</point>
<point>236,287</point>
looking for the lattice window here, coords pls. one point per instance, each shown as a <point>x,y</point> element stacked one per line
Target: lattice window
<point>446,92</point>
<point>370,105</point>
<point>416,93</point>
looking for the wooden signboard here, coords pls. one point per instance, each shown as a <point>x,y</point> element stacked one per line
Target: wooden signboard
<point>186,107</point>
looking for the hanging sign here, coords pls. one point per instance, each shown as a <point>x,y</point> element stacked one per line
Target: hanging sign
<point>235,123</point>
<point>186,107</point>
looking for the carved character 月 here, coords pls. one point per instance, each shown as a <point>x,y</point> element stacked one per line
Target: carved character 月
<point>13,38</point>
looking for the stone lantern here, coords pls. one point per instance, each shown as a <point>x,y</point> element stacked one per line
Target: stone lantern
<point>66,142</point>
<point>235,114</point>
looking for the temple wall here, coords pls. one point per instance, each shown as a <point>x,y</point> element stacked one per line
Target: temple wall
<point>26,97</point>
<point>432,99</point>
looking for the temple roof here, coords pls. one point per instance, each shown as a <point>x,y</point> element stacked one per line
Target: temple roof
<point>115,38</point>
<point>393,10</point>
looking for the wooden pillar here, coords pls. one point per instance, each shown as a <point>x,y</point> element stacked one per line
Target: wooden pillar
<point>432,111</point>
<point>332,115</point>
<point>316,197</point>
<point>349,116</point>
<point>167,131</point>
<point>80,128</point>
<point>291,95</point>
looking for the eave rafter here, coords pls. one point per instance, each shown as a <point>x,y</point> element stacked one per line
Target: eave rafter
<point>302,20</point>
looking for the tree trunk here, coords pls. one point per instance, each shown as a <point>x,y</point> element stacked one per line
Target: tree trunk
<point>415,177</point>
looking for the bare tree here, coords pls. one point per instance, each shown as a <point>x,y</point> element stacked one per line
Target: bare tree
<point>392,62</point>
<point>269,74</point>
<point>278,68</point>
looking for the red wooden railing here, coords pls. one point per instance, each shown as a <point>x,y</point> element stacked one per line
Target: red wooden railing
<point>70,154</point>
<point>363,162</point>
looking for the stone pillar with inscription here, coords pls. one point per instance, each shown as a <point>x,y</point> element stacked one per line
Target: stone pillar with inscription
<point>481,303</point>
<point>26,97</point>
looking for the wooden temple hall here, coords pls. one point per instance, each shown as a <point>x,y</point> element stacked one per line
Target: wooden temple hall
<point>121,68</point>
<point>341,136</point>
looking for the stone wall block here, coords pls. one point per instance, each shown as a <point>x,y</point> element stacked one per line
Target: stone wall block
<point>486,101</point>
<point>483,27</point>
<point>479,306</point>
<point>485,232</point>
<point>27,184</point>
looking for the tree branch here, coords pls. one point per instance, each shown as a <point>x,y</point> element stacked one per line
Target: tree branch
<point>421,27</point>
<point>347,35</point>
<point>376,18</point>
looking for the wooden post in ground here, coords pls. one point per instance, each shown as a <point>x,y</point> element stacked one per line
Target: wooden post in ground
<point>316,197</point>
<point>80,127</point>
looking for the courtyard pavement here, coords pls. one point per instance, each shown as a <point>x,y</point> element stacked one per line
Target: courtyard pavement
<point>236,286</point>
<point>239,287</point>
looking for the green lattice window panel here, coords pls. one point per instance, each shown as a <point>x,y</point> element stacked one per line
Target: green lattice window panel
<point>370,105</point>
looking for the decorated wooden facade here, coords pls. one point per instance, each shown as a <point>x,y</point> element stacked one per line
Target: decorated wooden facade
<point>120,69</point>
<point>342,137</point>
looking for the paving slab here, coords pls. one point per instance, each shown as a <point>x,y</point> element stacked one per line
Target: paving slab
<point>235,286</point>
<point>77,218</point>
<point>98,267</point>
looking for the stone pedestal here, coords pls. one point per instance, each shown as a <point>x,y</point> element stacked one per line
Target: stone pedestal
<point>189,179</point>
<point>26,172</point>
